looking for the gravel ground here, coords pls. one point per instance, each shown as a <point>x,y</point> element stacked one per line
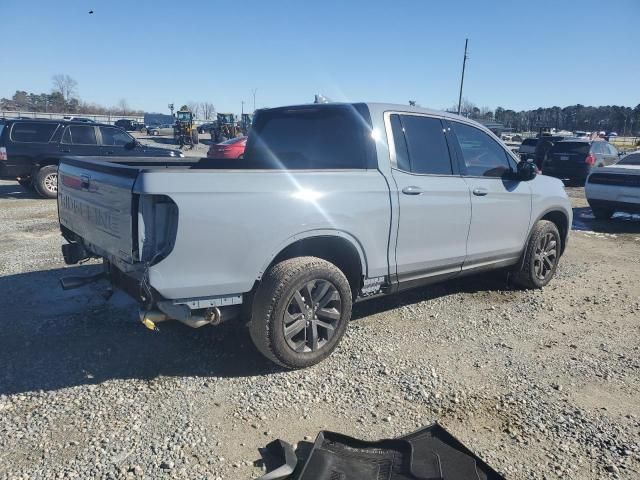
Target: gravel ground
<point>540,384</point>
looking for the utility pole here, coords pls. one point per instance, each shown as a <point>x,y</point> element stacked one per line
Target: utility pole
<point>171,108</point>
<point>254,98</point>
<point>464,64</point>
<point>242,111</point>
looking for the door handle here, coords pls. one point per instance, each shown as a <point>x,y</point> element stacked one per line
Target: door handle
<point>412,190</point>
<point>65,150</point>
<point>109,152</point>
<point>480,191</point>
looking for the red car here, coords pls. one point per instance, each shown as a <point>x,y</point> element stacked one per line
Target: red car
<point>233,148</point>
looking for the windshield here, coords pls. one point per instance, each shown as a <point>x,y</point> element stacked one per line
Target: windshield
<point>631,159</point>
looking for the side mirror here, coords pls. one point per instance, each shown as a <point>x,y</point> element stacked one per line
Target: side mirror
<point>131,145</point>
<point>526,170</point>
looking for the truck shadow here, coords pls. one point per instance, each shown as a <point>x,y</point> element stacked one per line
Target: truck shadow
<point>583,220</point>
<point>54,339</point>
<point>14,190</point>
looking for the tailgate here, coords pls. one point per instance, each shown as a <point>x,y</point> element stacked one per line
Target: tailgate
<point>95,201</point>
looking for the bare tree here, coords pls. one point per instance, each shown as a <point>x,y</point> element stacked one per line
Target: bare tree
<point>195,108</point>
<point>123,106</point>
<point>207,110</point>
<point>65,86</point>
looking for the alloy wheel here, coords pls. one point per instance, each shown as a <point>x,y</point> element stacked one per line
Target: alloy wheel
<point>312,316</point>
<point>51,182</point>
<point>546,256</point>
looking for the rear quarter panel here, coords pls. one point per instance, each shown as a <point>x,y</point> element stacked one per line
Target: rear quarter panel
<point>231,224</point>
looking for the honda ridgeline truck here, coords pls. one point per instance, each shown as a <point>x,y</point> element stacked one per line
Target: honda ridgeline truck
<point>332,204</point>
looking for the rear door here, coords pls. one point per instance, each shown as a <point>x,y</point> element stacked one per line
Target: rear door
<point>79,140</point>
<point>501,207</point>
<point>435,209</point>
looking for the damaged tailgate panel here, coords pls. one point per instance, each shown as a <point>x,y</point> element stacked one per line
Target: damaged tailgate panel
<point>95,201</point>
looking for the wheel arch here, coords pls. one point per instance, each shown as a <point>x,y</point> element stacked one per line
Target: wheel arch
<point>560,219</point>
<point>334,246</point>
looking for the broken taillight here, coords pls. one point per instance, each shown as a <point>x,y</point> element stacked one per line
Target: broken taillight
<point>590,160</point>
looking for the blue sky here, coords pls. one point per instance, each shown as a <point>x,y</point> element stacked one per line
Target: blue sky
<point>523,54</point>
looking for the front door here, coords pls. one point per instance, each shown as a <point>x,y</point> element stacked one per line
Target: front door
<point>435,209</point>
<point>113,141</point>
<point>500,205</point>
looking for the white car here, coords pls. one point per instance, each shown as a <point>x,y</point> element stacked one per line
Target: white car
<point>615,188</point>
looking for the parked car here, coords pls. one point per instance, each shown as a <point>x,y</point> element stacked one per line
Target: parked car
<point>615,188</point>
<point>31,150</point>
<point>527,148</point>
<point>129,125</point>
<point>333,203</point>
<point>573,159</point>
<point>160,130</point>
<point>544,144</point>
<point>233,148</point>
<point>79,119</point>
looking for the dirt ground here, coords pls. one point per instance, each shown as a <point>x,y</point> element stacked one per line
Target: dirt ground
<point>542,384</point>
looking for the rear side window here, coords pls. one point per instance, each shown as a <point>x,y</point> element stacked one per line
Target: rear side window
<point>581,148</point>
<point>612,149</point>
<point>32,132</point>
<point>426,145</point>
<point>530,142</point>
<point>114,137</point>
<point>317,137</point>
<point>81,135</point>
<point>483,156</point>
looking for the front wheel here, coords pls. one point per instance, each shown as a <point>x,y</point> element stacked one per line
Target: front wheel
<point>300,312</point>
<point>540,257</point>
<point>46,181</point>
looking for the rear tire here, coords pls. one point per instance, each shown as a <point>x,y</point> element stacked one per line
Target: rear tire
<point>195,139</point>
<point>541,256</point>
<point>301,311</point>
<point>46,181</point>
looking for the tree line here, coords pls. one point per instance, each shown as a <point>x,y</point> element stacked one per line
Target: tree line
<point>609,118</point>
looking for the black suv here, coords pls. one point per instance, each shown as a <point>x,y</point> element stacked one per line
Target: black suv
<point>31,149</point>
<point>574,158</point>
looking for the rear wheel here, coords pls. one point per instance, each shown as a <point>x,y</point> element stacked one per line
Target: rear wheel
<point>46,181</point>
<point>541,256</point>
<point>300,312</point>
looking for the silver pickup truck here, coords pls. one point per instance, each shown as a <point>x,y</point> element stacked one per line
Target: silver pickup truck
<point>332,204</point>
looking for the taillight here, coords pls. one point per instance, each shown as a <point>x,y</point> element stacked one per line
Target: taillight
<point>3,153</point>
<point>590,160</point>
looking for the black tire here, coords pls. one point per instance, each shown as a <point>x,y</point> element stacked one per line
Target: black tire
<point>541,257</point>
<point>195,138</point>
<point>281,292</point>
<point>155,133</point>
<point>602,213</point>
<point>46,181</point>
<point>26,184</point>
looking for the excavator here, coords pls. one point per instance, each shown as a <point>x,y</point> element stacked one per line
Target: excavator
<point>185,131</point>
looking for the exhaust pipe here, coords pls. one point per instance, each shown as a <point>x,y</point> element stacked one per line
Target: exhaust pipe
<point>211,316</point>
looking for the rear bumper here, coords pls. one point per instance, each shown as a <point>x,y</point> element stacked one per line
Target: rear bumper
<point>11,171</point>
<point>580,171</point>
<point>615,205</point>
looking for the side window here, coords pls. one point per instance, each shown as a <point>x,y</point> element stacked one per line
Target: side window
<point>597,147</point>
<point>32,132</point>
<point>114,137</point>
<point>612,149</point>
<point>402,154</point>
<point>66,136</point>
<point>420,145</point>
<point>81,135</point>
<point>483,156</point>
